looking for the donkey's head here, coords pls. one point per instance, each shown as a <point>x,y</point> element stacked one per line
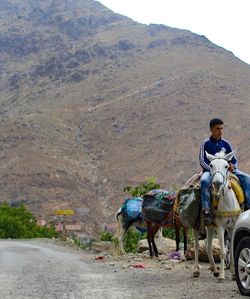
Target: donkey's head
<point>219,164</point>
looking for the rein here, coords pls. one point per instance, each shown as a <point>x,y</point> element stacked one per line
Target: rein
<point>224,180</point>
<point>224,214</point>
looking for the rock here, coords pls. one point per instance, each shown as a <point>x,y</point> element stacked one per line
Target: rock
<point>202,251</point>
<point>164,245</point>
<point>157,43</point>
<point>82,55</point>
<point>125,45</point>
<point>75,77</point>
<point>103,246</point>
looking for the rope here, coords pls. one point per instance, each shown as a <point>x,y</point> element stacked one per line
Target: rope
<point>166,197</point>
<point>225,214</point>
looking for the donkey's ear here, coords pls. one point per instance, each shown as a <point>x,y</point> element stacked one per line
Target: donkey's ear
<point>229,156</point>
<point>209,156</point>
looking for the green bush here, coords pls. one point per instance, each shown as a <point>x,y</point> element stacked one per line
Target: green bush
<point>131,240</point>
<point>79,244</point>
<point>17,222</point>
<point>106,236</point>
<point>168,232</point>
<point>143,188</point>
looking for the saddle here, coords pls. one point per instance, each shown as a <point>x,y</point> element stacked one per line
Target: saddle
<point>189,201</point>
<point>235,184</point>
<point>157,206</point>
<point>188,204</point>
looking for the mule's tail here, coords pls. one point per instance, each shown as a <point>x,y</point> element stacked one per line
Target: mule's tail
<point>118,213</point>
<point>118,217</point>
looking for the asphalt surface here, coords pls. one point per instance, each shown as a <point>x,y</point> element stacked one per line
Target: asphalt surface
<point>44,269</point>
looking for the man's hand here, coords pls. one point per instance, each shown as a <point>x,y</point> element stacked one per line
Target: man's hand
<point>231,167</point>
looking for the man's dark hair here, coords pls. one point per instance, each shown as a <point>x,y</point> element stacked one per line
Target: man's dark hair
<point>215,121</point>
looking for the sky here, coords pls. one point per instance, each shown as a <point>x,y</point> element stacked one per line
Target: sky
<point>226,23</point>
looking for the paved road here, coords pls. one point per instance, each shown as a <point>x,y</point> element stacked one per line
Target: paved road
<point>42,269</point>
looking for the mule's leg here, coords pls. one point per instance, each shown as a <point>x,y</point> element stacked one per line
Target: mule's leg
<point>187,252</point>
<point>177,235</point>
<point>123,234</point>
<point>210,235</point>
<point>231,256</point>
<point>122,230</point>
<point>221,232</point>
<point>185,238</point>
<point>196,272</point>
<point>149,238</point>
<point>155,229</point>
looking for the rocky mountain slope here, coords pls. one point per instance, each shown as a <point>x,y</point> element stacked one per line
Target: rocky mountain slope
<point>91,101</point>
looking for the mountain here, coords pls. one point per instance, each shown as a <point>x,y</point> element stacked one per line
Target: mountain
<point>92,101</point>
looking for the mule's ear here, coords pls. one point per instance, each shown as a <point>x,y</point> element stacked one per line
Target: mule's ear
<point>229,156</point>
<point>209,156</point>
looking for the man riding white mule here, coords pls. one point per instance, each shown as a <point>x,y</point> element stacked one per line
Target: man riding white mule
<point>212,145</point>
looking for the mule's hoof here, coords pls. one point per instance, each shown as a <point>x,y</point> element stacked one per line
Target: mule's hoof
<point>196,274</point>
<point>221,279</point>
<point>216,272</point>
<point>233,277</point>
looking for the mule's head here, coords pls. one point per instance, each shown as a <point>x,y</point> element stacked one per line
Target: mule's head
<point>219,164</point>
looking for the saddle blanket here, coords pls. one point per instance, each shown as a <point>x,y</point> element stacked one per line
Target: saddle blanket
<point>157,206</point>
<point>131,209</point>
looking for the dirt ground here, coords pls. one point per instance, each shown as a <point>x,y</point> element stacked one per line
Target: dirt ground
<point>176,275</point>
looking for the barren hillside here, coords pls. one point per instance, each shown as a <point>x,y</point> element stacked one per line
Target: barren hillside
<point>91,101</point>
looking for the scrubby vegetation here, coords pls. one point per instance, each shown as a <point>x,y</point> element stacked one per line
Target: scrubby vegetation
<point>18,222</point>
<point>148,185</point>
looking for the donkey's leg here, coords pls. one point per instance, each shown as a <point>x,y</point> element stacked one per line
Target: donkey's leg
<point>196,272</point>
<point>187,251</point>
<point>221,232</point>
<point>231,256</point>
<point>155,229</point>
<point>177,235</point>
<point>123,234</point>
<point>122,230</point>
<point>185,238</point>
<point>210,235</point>
<point>149,238</point>
<point>232,266</point>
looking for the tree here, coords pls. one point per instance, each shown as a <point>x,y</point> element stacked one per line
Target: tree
<point>17,222</point>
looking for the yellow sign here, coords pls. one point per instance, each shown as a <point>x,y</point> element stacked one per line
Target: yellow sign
<point>64,212</point>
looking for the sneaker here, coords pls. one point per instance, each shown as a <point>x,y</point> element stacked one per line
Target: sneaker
<point>207,217</point>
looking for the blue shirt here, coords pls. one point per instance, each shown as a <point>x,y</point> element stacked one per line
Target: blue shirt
<point>213,146</point>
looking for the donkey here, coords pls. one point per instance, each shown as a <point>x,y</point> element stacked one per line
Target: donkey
<point>225,214</point>
<point>130,214</point>
<point>153,228</point>
<point>159,210</point>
